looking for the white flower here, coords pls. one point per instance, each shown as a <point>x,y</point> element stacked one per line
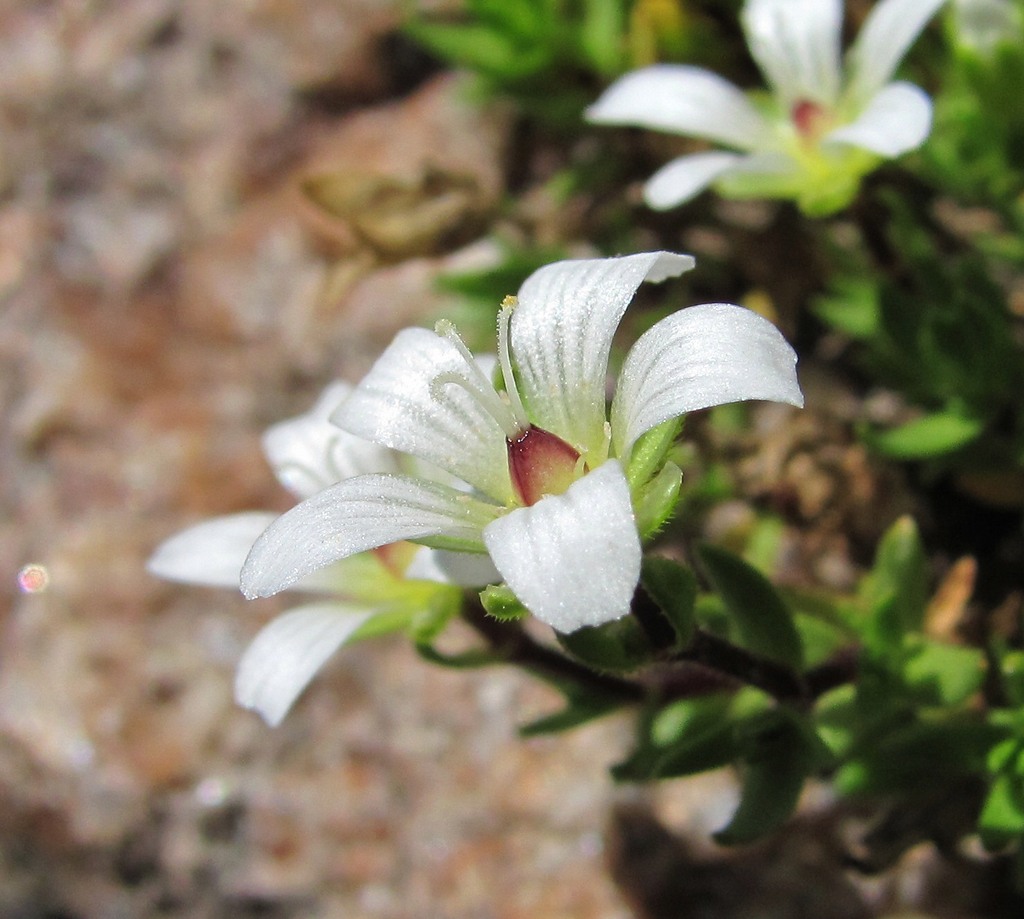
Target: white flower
<point>822,129</point>
<point>982,25</point>
<point>378,591</point>
<point>550,501</point>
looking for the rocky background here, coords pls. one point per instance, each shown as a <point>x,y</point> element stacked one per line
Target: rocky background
<point>171,283</point>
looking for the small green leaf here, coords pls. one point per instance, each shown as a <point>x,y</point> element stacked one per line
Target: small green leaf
<point>578,711</point>
<point>617,646</point>
<point>1002,814</point>
<point>940,674</point>
<point>764,621</point>
<point>929,436</point>
<point>852,307</point>
<point>674,589</point>
<point>780,754</point>
<point>896,589</point>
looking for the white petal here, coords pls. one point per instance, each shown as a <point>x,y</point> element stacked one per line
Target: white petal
<point>353,516</point>
<point>288,651</point>
<point>684,178</point>
<point>796,45</point>
<point>897,119</point>
<point>398,405</point>
<point>210,553</point>
<point>562,332</point>
<point>683,100</point>
<point>701,356</point>
<point>309,452</point>
<point>466,569</point>
<point>890,29</point>
<point>572,559</point>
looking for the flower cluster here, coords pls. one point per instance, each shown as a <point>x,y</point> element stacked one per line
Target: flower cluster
<point>545,480</point>
<point>824,125</point>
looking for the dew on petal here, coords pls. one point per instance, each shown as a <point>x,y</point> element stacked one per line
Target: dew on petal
<point>33,578</point>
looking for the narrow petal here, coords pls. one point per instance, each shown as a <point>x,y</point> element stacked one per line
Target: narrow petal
<point>562,333</point>
<point>309,452</point>
<point>210,553</point>
<point>890,29</point>
<point>400,404</point>
<point>572,559</point>
<point>353,516</point>
<point>686,177</point>
<point>896,120</point>
<point>684,100</point>
<point>796,45</point>
<point>699,357</point>
<point>288,652</point>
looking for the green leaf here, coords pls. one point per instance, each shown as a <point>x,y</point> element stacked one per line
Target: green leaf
<point>852,307</point>
<point>946,675</point>
<point>1002,814</point>
<point>780,753</point>
<point>464,660</point>
<point>578,711</point>
<point>617,646</point>
<point>896,589</point>
<point>674,589</point>
<point>764,621</point>
<point>602,35</point>
<point>925,437</point>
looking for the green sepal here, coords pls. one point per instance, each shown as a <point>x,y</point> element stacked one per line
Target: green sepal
<point>780,752</point>
<point>674,589</point>
<point>650,450</point>
<point>928,436</point>
<point>762,618</point>
<point>618,646</point>
<point>499,601</point>
<point>656,501</point>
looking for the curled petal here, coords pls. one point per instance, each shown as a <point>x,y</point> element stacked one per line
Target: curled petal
<point>353,516</point>
<point>562,332</point>
<point>699,357</point>
<point>890,29</point>
<point>309,452</point>
<point>210,553</point>
<point>409,402</point>
<point>685,177</point>
<point>796,45</point>
<point>897,119</point>
<point>684,100</point>
<point>288,652</point>
<point>572,559</point>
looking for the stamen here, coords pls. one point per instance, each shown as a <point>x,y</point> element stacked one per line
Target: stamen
<point>477,385</point>
<point>505,359</point>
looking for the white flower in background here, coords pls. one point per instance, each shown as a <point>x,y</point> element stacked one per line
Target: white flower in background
<point>369,593</point>
<point>823,127</point>
<point>550,500</point>
<point>982,25</point>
